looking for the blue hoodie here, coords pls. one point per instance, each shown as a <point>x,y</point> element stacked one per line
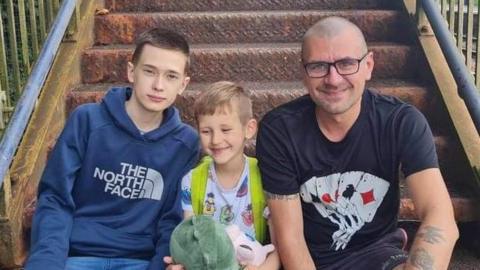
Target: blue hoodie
<point>108,190</point>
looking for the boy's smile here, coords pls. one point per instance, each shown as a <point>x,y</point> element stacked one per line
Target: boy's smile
<point>223,135</point>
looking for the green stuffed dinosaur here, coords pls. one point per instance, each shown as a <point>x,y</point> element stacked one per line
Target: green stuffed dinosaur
<point>200,243</point>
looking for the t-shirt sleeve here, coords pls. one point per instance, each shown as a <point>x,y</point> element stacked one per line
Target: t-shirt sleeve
<point>276,160</point>
<point>187,192</point>
<point>415,142</point>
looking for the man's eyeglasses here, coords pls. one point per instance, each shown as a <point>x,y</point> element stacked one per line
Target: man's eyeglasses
<point>346,66</point>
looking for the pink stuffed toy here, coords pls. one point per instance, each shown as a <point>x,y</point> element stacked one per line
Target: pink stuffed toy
<point>247,250</point>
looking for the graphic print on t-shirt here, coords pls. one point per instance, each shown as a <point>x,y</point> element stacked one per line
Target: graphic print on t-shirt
<point>348,199</point>
<point>209,205</point>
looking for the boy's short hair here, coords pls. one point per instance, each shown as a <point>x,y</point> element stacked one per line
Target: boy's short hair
<point>161,38</point>
<point>219,96</point>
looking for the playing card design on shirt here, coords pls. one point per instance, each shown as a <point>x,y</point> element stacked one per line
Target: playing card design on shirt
<point>348,200</point>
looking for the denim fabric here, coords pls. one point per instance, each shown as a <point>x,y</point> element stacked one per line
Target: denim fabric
<point>97,263</point>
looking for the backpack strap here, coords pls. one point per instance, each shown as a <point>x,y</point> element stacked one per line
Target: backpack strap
<point>199,184</point>
<point>258,200</point>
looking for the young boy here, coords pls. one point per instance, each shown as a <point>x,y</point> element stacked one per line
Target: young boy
<point>109,195</point>
<point>227,185</point>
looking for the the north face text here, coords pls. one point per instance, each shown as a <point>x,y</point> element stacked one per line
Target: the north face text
<point>132,182</point>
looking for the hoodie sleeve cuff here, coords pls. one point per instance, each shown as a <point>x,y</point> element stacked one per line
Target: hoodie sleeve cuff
<point>41,264</point>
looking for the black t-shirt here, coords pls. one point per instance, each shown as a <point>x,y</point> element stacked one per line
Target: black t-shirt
<point>349,189</point>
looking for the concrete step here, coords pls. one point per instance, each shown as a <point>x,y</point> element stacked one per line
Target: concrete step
<point>231,5</point>
<point>265,95</point>
<point>245,62</point>
<point>244,26</point>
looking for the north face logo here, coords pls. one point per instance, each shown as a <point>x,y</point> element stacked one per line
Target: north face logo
<point>132,182</point>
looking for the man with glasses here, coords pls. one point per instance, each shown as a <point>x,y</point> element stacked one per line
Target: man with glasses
<point>330,162</point>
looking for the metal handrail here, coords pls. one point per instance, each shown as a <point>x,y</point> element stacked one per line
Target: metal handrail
<point>26,103</point>
<point>466,86</point>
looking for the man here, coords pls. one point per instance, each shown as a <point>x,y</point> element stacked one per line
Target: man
<point>330,163</point>
<point>109,195</point>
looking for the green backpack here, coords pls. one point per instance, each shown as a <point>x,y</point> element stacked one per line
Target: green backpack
<point>199,185</point>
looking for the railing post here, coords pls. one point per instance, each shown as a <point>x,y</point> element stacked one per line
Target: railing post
<point>22,27</point>
<point>33,27</point>
<point>3,60</point>
<point>12,38</point>
<point>3,106</point>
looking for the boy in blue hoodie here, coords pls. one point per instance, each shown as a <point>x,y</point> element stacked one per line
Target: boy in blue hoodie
<point>109,196</point>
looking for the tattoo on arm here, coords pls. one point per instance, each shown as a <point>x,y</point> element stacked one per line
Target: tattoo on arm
<point>431,235</point>
<point>273,196</point>
<point>421,259</point>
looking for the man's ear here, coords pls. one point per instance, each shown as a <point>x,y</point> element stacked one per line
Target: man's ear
<point>130,69</point>
<point>251,128</point>
<point>185,82</point>
<point>369,63</point>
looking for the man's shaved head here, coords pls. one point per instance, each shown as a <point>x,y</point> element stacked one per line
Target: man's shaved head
<point>331,27</point>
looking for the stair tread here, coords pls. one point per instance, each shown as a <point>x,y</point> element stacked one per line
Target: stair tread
<point>240,46</point>
<point>246,62</point>
<point>244,26</point>
<point>279,86</point>
<point>191,5</point>
<point>253,13</point>
<point>267,95</point>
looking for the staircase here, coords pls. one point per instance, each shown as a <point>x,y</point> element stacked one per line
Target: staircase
<point>257,43</point>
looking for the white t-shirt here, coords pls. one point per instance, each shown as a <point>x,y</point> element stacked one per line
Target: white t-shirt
<point>227,206</point>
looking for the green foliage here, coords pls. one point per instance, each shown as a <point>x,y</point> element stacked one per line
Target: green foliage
<point>19,65</point>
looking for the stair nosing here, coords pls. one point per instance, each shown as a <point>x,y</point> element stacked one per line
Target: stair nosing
<point>257,45</point>
<point>252,12</point>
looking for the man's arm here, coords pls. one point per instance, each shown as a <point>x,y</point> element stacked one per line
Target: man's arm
<point>436,237</point>
<point>287,219</point>
<point>273,259</point>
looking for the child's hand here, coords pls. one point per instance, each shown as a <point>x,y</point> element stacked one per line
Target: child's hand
<point>170,266</point>
<point>250,267</point>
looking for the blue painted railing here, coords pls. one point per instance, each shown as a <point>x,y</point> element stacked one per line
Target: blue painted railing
<point>465,83</point>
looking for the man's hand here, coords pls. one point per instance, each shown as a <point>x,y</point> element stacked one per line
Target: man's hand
<point>170,266</point>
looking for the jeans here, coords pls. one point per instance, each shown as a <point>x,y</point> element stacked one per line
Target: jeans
<point>98,263</point>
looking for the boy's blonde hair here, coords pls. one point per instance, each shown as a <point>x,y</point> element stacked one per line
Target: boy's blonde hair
<point>219,96</point>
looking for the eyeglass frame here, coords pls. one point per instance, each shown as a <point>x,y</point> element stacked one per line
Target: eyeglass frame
<point>334,65</point>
